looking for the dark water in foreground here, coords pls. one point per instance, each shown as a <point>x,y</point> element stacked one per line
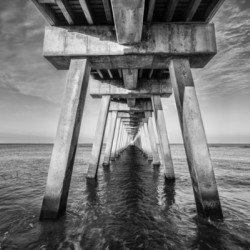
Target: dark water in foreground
<point>130,207</point>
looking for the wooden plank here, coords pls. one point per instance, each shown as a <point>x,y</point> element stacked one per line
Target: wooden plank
<point>192,8</point>
<point>46,12</point>
<point>130,78</point>
<point>86,10</point>
<point>151,8</point>
<point>128,19</point>
<point>108,11</point>
<point>170,10</point>
<point>213,8</point>
<point>66,10</point>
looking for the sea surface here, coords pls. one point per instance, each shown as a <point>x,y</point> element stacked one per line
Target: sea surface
<point>130,206</point>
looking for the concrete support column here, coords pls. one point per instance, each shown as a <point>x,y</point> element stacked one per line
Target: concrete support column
<point>149,149</point>
<point>195,142</point>
<point>163,138</point>
<point>152,138</point>
<point>144,146</point>
<point>99,136</point>
<point>110,138</point>
<point>63,154</point>
<point>157,139</point>
<point>118,140</point>
<point>117,129</point>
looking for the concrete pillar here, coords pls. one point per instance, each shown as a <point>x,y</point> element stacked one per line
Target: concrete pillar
<point>149,149</point>
<point>163,138</point>
<point>157,139</point>
<point>144,146</point>
<point>195,142</point>
<point>99,136</point>
<point>156,160</point>
<point>110,138</point>
<point>118,141</point>
<point>117,128</point>
<point>63,154</point>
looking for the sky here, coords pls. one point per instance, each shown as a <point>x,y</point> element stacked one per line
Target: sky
<point>31,90</point>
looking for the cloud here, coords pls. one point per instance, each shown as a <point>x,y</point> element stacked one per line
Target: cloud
<point>229,71</point>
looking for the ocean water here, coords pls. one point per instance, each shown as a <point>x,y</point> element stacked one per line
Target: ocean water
<point>130,206</point>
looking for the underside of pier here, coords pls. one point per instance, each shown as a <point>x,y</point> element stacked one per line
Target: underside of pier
<point>130,54</point>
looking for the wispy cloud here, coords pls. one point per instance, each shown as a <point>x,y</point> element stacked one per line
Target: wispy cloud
<point>229,71</point>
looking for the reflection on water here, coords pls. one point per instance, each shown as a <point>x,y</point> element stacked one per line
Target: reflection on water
<point>129,206</point>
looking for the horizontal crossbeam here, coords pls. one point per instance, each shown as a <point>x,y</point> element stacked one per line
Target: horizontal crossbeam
<point>145,89</point>
<point>159,43</point>
<point>140,106</point>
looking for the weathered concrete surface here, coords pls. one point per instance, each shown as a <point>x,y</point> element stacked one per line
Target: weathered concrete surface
<point>118,140</point>
<point>130,77</point>
<point>195,142</point>
<point>128,19</point>
<point>99,135</point>
<point>145,89</point>
<point>163,138</point>
<point>160,42</point>
<point>148,146</point>
<point>156,160</point>
<point>131,101</point>
<point>110,138</point>
<point>115,141</point>
<point>63,155</point>
<point>140,106</point>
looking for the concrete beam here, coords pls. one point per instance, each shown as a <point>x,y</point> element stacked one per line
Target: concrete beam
<point>151,8</point>
<point>162,41</point>
<point>131,102</point>
<point>46,12</point>
<point>170,10</point>
<point>140,106</point>
<point>213,8</point>
<point>86,10</point>
<point>145,89</point>
<point>128,18</point>
<point>66,10</point>
<point>127,115</point>
<point>130,78</point>
<point>191,10</point>
<point>108,12</point>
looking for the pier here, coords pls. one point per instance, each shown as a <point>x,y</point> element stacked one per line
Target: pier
<point>137,52</point>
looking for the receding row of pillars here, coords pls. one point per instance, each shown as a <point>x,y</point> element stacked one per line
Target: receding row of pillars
<point>198,157</point>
